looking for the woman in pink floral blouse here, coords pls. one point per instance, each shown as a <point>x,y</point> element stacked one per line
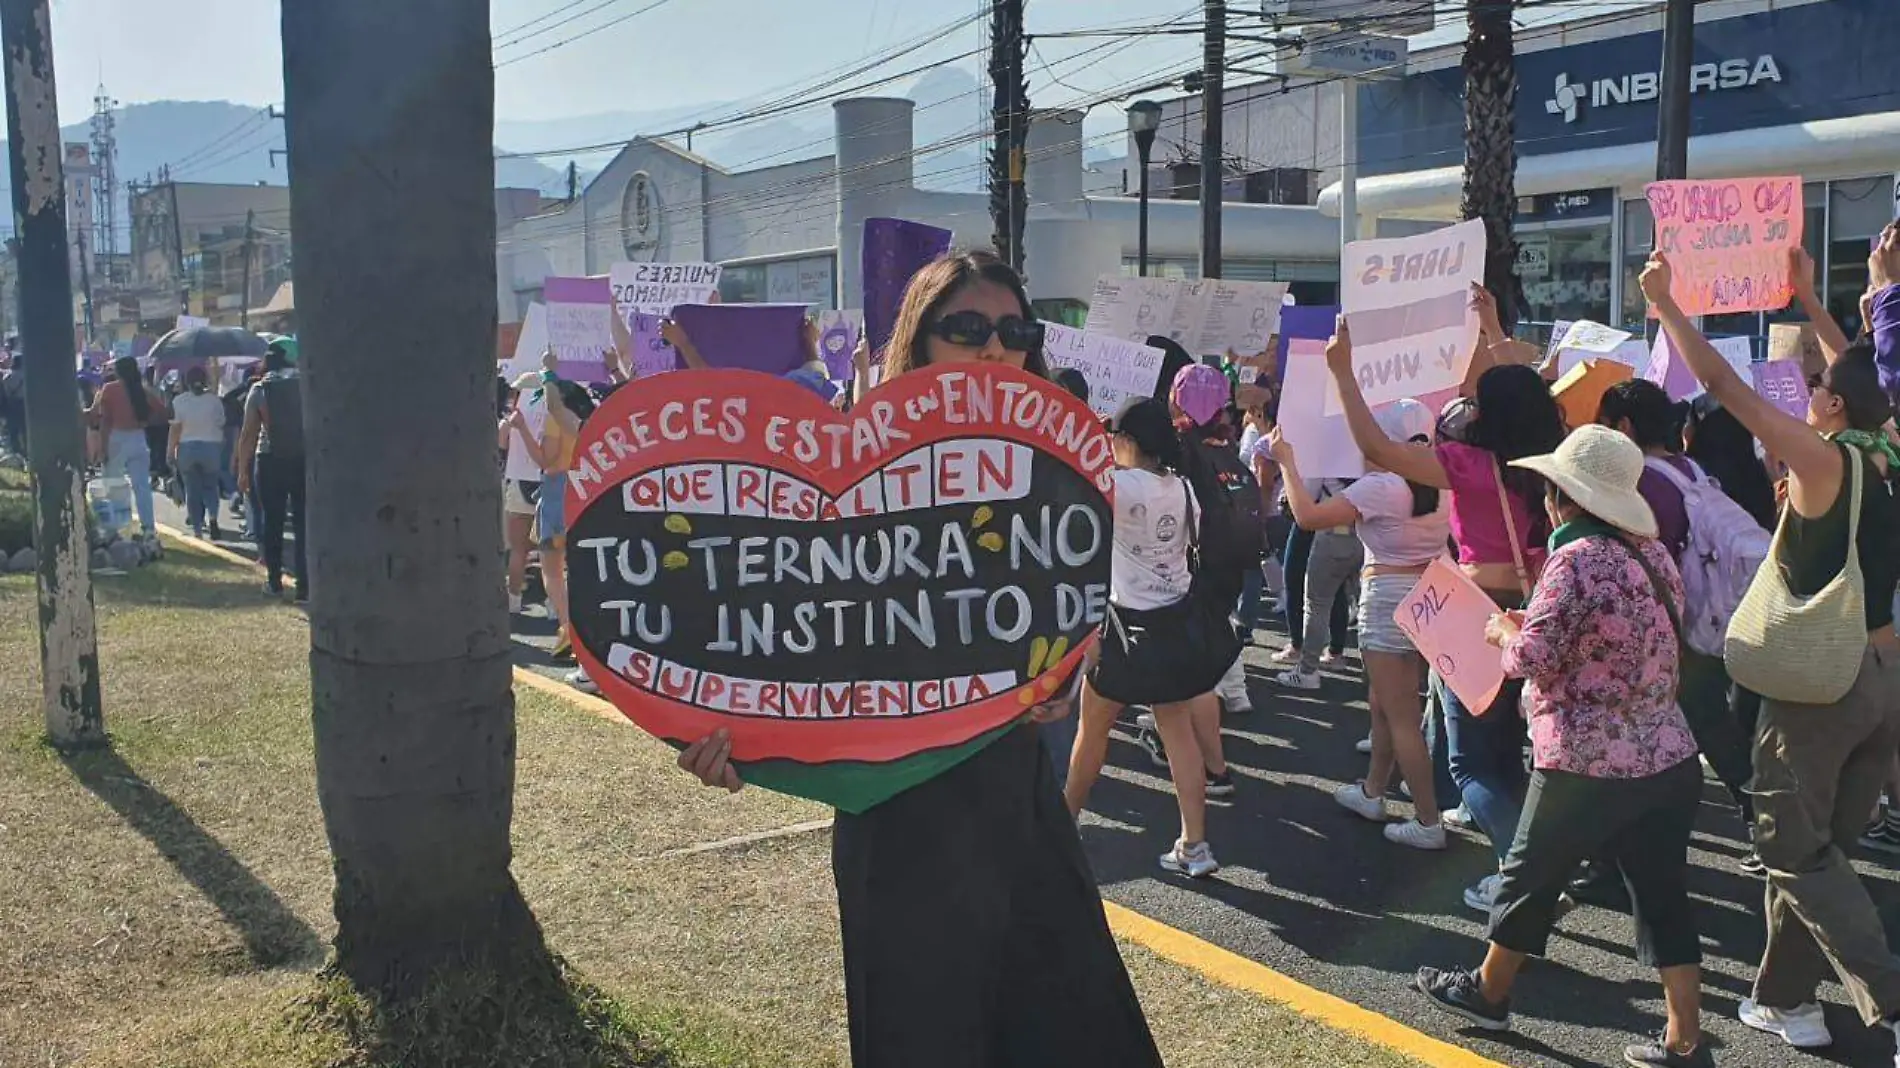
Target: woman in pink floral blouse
<point>1615,773</point>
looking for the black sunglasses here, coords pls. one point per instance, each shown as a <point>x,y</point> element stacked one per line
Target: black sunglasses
<point>974,329</point>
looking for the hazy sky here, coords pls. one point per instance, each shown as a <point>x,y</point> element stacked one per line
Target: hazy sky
<point>679,53</point>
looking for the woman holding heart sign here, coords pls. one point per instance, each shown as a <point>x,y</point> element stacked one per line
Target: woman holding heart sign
<point>973,931</point>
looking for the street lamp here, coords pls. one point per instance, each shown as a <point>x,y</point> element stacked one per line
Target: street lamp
<point>1144,118</point>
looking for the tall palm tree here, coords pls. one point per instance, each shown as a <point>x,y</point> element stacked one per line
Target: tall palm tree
<point>390,112</point>
<point>1490,191</point>
<point>1009,115</point>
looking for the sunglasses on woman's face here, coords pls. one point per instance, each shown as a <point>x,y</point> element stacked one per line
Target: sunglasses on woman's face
<point>974,329</point>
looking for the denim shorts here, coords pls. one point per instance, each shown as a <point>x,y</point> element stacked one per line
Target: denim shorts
<point>550,512</point>
<point>1379,597</point>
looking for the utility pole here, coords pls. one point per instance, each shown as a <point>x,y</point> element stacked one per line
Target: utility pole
<point>1672,106</point>
<point>85,286</point>
<point>178,251</point>
<point>1213,60</point>
<point>573,181</point>
<point>250,243</point>
<point>69,642</point>
<point>1009,202</point>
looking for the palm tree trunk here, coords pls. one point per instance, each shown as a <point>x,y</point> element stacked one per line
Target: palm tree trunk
<point>1490,191</point>
<point>390,113</point>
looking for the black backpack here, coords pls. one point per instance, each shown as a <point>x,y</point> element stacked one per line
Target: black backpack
<point>283,414</point>
<point>1233,529</point>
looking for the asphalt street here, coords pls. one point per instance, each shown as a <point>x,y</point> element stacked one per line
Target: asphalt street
<point>1317,894</point>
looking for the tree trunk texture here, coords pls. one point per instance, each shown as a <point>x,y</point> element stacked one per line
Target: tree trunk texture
<point>1490,191</point>
<point>390,115</point>
<point>69,645</point>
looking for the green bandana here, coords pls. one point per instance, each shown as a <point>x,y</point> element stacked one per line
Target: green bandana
<point>1581,527</point>
<point>1869,442</point>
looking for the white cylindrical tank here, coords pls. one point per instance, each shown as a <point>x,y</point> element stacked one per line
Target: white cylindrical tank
<point>1062,258</point>
<point>873,136</point>
<point>1053,170</point>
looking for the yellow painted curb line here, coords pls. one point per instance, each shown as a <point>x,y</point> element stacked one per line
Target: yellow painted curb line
<point>1233,970</point>
<point>1218,965</point>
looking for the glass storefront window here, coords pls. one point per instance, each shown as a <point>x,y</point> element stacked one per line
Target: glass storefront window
<point>1639,239</point>
<point>1565,271</point>
<point>1857,210</point>
<point>743,285</point>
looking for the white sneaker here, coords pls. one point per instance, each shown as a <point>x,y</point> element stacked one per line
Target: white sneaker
<point>1363,745</point>
<point>578,679</point>
<point>514,604</point>
<point>1298,680</point>
<point>1195,862</point>
<point>1352,797</point>
<point>1459,817</point>
<point>1802,1028</point>
<point>1145,721</point>
<point>1416,835</point>
<point>1482,896</point>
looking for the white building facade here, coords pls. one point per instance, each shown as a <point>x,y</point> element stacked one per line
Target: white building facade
<point>793,233</point>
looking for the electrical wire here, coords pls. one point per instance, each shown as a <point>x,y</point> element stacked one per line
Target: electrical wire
<point>584,33</point>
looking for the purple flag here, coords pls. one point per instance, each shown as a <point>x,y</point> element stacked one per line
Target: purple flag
<point>1781,381</point>
<point>651,354</point>
<point>747,337</point>
<point>894,249</point>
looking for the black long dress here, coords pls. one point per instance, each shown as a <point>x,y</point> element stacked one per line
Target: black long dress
<point>974,936</point>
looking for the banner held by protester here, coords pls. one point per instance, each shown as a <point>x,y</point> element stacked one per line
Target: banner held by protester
<point>1408,301</point>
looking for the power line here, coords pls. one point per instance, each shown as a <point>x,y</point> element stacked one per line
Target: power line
<point>584,33</point>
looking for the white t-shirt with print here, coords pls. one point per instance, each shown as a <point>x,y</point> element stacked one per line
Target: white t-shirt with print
<point>1391,533</point>
<point>1152,517</point>
<point>521,466</point>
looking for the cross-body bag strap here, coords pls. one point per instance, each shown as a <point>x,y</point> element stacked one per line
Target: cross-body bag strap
<point>1510,528</point>
<point>1657,587</point>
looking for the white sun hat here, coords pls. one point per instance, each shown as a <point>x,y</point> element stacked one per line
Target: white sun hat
<point>1598,468</point>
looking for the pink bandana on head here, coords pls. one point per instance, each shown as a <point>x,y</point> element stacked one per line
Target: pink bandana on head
<point>1201,392</point>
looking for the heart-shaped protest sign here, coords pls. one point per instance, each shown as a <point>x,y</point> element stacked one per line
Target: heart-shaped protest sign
<point>861,600</point>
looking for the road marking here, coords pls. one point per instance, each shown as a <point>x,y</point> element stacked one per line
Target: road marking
<point>1219,965</point>
<point>1233,970</point>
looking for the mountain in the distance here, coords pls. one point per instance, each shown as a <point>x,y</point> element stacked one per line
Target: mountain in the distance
<point>219,141</point>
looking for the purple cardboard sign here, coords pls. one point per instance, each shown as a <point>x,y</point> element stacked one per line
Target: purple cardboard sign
<point>838,333</point>
<point>651,354</point>
<point>894,249</point>
<point>1781,382</point>
<point>1669,372</point>
<point>1309,322</point>
<point>556,290</point>
<point>746,337</point>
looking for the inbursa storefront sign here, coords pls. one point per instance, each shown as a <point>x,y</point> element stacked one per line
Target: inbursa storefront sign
<point>1799,64</point>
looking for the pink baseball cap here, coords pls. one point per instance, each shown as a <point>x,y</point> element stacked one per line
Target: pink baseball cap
<point>1201,392</point>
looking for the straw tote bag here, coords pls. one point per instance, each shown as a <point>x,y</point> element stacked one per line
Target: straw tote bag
<point>1802,650</point>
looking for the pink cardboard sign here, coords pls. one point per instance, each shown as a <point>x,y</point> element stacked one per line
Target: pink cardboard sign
<point>1782,382</point>
<point>1727,241</point>
<point>1444,615</point>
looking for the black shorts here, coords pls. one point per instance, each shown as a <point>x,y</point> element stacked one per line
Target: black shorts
<point>1165,655</point>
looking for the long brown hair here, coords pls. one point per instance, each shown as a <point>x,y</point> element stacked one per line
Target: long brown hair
<point>930,289</point>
